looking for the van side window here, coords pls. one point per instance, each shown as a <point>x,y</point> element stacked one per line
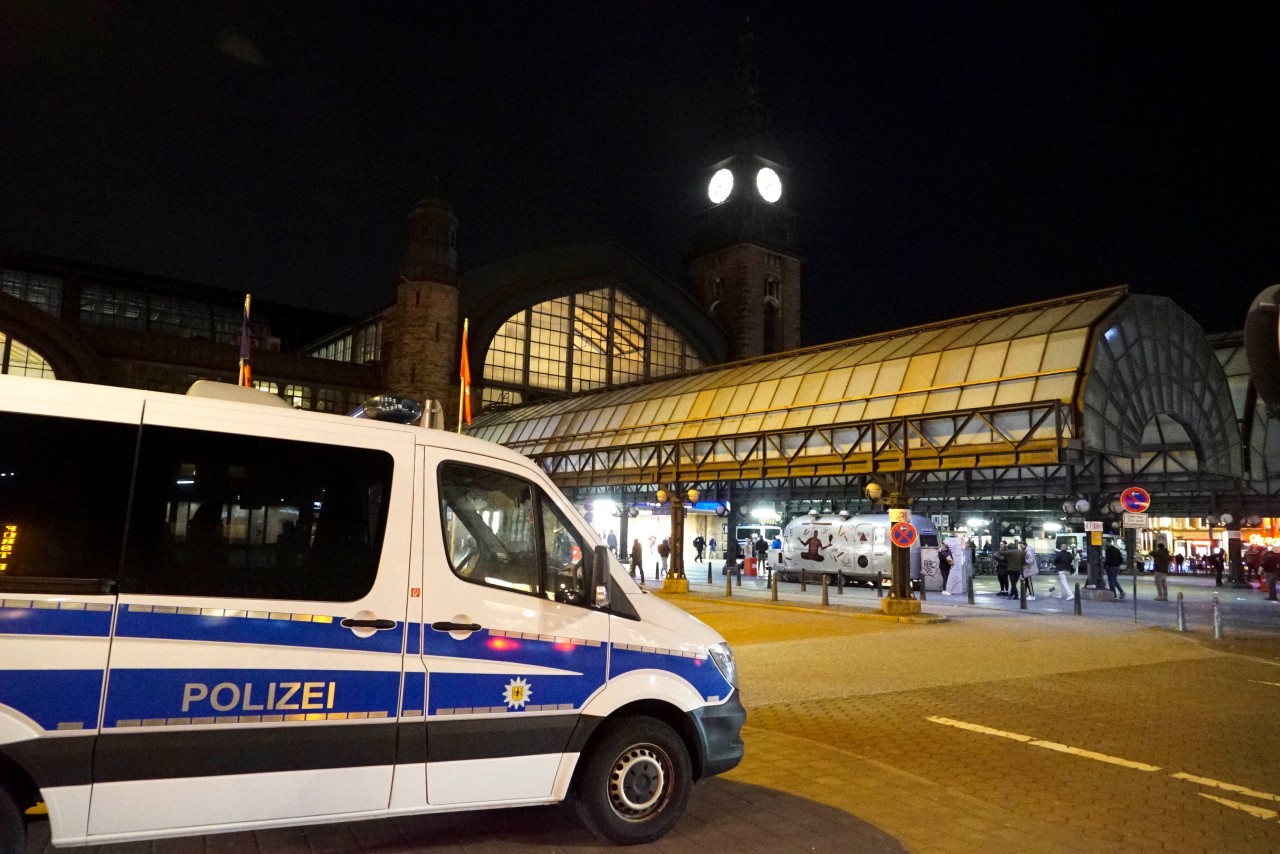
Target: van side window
<point>250,517</point>
<point>502,531</point>
<point>64,493</point>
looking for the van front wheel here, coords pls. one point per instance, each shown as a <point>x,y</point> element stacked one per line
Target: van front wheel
<point>13,824</point>
<point>636,783</point>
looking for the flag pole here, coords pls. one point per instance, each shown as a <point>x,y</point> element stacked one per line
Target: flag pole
<point>464,374</point>
<point>246,378</point>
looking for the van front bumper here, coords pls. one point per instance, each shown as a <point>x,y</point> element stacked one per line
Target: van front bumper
<point>720,731</point>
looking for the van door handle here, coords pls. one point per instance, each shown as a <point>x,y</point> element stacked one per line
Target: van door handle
<point>446,626</point>
<point>350,623</point>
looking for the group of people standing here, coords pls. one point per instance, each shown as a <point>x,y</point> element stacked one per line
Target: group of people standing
<point>662,549</point>
<point>1016,563</point>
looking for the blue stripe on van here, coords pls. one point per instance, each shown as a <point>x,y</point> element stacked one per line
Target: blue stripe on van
<point>156,697</point>
<point>55,699</point>
<point>57,619</point>
<point>465,692</point>
<point>701,673</point>
<point>277,631</point>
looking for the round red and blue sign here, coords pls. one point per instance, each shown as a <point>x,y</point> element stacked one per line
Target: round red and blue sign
<point>1135,499</point>
<point>903,535</point>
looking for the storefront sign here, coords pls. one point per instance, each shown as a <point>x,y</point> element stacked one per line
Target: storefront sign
<point>1093,526</point>
<point>1233,535</point>
<point>1095,538</point>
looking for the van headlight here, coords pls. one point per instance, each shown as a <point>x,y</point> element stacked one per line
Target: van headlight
<point>722,655</point>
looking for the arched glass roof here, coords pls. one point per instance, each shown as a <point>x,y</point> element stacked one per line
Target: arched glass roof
<point>991,389</point>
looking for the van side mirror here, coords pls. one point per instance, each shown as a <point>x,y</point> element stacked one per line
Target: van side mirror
<point>599,579</point>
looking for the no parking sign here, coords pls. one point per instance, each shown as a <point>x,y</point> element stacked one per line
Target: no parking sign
<point>903,535</point>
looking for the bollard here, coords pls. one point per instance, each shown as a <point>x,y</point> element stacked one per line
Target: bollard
<point>708,573</point>
<point>773,587</point>
<point>922,591</point>
<point>825,601</point>
<point>728,584</point>
<point>1077,598</point>
<point>879,585</point>
<point>1135,594</point>
<point>1022,598</point>
<point>968,585</point>
<point>1217,620</point>
<point>839,583</point>
<point>803,587</point>
<point>1182,615</point>
<point>737,576</point>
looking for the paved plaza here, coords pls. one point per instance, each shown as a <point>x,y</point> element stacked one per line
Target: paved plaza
<point>995,730</point>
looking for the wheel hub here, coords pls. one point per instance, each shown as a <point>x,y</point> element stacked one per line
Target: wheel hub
<point>638,782</point>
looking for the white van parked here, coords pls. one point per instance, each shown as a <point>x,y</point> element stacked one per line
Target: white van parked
<point>220,615</point>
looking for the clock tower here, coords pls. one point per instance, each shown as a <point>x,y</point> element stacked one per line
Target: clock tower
<point>744,267</point>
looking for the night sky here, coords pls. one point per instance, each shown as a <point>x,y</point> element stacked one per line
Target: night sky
<point>946,157</point>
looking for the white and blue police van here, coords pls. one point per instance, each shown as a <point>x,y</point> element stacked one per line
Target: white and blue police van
<point>220,615</point>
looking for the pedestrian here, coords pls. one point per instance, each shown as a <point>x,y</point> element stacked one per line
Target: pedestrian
<point>1271,567</point>
<point>1177,562</point>
<point>1030,569</point>
<point>762,555</point>
<point>699,545</point>
<point>1064,562</point>
<point>653,541</point>
<point>637,557</point>
<point>664,552</point>
<point>1002,570</point>
<point>945,562</point>
<point>711,547</point>
<point>1014,558</point>
<point>1112,560</point>
<point>1161,559</point>
<point>612,542</point>
<point>1216,566</point>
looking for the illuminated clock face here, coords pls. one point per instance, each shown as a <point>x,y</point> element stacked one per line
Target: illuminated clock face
<point>769,184</point>
<point>720,187</point>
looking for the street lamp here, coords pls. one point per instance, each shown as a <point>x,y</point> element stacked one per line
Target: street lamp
<point>899,602</point>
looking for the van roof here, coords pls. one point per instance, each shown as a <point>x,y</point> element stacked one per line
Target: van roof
<point>100,398</point>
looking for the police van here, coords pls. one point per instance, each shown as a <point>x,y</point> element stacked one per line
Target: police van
<point>220,615</point>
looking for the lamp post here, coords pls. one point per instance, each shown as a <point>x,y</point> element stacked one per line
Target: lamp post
<point>676,581</point>
<point>899,602</point>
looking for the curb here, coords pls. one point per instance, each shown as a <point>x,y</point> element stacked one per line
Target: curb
<point>922,619</point>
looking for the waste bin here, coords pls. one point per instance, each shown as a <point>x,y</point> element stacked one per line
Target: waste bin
<point>748,566</point>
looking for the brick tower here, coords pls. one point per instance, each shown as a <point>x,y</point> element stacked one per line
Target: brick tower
<point>422,326</point>
<point>744,267</point>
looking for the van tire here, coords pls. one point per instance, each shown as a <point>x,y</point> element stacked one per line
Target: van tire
<point>636,781</point>
<point>13,824</point>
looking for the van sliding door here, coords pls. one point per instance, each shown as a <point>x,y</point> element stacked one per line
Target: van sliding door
<point>255,670</point>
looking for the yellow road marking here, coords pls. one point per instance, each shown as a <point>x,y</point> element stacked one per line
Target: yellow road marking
<point>979,728</point>
<point>1260,682</point>
<point>1051,745</point>
<point>1256,812</point>
<point>1230,787</point>
<point>1101,757</point>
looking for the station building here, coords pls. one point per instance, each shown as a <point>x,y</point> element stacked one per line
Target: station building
<point>621,382</point>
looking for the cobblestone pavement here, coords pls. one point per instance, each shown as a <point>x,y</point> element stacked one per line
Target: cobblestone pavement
<point>995,732</point>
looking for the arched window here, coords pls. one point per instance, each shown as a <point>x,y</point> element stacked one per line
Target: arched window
<point>580,342</point>
<point>772,331</point>
<point>20,360</point>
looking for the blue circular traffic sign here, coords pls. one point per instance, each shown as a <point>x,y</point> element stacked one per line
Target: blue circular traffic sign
<point>903,535</point>
<point>1135,499</point>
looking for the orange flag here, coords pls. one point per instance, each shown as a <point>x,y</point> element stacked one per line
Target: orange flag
<point>464,402</point>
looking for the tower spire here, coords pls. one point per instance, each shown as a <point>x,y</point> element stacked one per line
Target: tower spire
<point>747,115</point>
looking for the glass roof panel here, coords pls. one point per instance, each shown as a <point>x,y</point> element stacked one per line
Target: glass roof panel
<point>864,377</point>
<point>987,362</point>
<point>810,388</point>
<point>762,399</point>
<point>977,396</point>
<point>834,384</point>
<point>852,355</point>
<point>978,331</point>
<point>741,400</point>
<point>889,379</point>
<point>1065,350</point>
<point>1025,355</point>
<point>1047,319</point>
<point>1086,313</point>
<point>943,401</point>
<point>881,407</point>
<point>1015,391</point>
<point>785,396</point>
<point>1059,387</point>
<point>1011,328</point>
<point>850,412</point>
<point>909,404</point>
<point>921,370</point>
<point>953,367</point>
